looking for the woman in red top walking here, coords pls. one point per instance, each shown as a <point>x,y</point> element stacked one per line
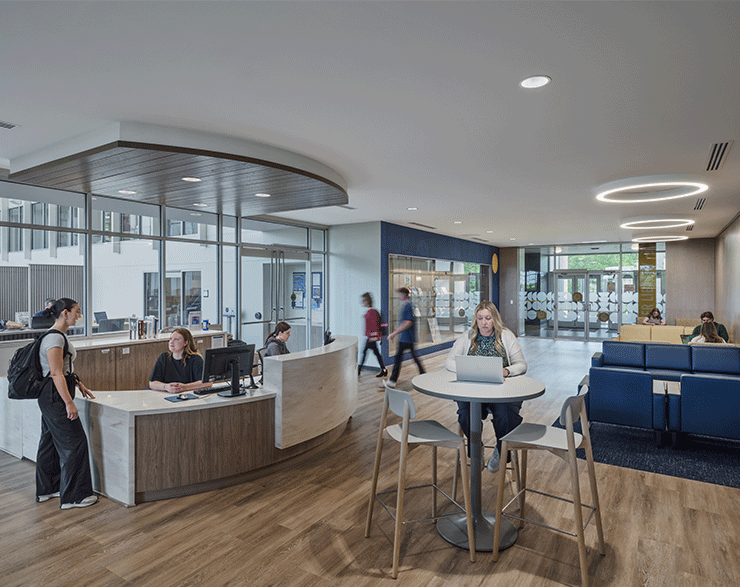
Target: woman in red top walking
<point>373,333</point>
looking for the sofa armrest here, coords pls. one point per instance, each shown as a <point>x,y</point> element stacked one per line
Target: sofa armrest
<point>622,396</point>
<point>710,404</point>
<point>597,360</point>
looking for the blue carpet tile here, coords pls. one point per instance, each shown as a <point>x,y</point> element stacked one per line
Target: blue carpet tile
<point>695,457</point>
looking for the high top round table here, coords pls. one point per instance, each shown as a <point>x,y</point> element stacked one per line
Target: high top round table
<point>444,384</point>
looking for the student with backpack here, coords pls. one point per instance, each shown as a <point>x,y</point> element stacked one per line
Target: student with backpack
<point>373,332</point>
<point>62,462</point>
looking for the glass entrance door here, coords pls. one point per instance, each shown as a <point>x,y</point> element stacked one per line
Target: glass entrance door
<point>275,288</point>
<point>586,305</point>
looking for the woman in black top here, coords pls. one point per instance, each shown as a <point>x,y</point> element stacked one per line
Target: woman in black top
<point>180,369</point>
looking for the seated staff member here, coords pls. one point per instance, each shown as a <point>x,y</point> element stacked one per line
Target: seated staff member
<point>490,338</point>
<point>181,368</point>
<point>275,343</point>
<point>654,318</point>
<point>709,317</point>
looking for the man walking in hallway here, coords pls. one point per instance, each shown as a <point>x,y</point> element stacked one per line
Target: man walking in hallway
<point>406,332</point>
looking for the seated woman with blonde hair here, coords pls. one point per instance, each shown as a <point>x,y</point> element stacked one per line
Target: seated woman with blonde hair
<point>708,335</point>
<point>181,368</point>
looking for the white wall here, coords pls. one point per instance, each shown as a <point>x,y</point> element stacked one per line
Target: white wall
<point>727,287</point>
<point>354,268</point>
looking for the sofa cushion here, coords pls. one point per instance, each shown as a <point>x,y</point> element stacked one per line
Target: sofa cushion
<point>719,358</point>
<point>623,354</point>
<point>666,374</point>
<point>621,396</point>
<point>637,332</point>
<point>666,333</point>
<point>667,356</point>
<point>710,404</point>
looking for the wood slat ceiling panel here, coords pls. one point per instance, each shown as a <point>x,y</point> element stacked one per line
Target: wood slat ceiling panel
<point>228,182</point>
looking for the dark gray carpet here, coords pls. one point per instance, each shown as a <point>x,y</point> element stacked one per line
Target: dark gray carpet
<point>693,457</point>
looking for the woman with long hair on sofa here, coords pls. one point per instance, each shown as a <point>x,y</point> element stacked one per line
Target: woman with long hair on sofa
<point>708,335</point>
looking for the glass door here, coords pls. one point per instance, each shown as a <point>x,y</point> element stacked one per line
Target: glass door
<point>275,288</point>
<point>571,307</point>
<point>603,305</point>
<point>587,305</point>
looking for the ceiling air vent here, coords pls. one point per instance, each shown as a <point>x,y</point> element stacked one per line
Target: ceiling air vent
<point>700,203</point>
<point>480,240</point>
<point>690,227</point>
<point>718,154</point>
<point>422,225</point>
<point>7,125</point>
<point>346,207</point>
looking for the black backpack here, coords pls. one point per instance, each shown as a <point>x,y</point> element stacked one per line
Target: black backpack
<point>25,380</point>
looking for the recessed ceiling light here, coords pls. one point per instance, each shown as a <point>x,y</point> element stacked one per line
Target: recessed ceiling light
<point>591,242</point>
<point>512,239</point>
<point>489,232</point>
<point>195,213</point>
<point>458,221</point>
<point>655,222</point>
<point>658,239</point>
<point>535,81</point>
<point>412,208</point>
<point>191,179</point>
<point>262,195</point>
<point>200,204</point>
<point>126,192</point>
<point>645,189</point>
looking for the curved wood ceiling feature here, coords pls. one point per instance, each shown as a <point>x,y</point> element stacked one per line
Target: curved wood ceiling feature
<point>228,182</point>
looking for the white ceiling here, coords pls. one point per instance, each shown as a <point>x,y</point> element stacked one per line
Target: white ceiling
<point>412,103</point>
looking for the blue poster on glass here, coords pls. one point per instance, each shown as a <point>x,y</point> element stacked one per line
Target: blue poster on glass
<point>299,290</point>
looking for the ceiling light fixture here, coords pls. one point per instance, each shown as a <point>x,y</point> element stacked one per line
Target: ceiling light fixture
<point>195,214</point>
<point>126,192</point>
<point>592,242</point>
<point>535,81</point>
<point>262,195</point>
<point>658,239</point>
<point>652,188</point>
<point>512,239</point>
<point>200,204</point>
<point>655,222</point>
<point>458,221</point>
<point>412,209</point>
<point>489,232</point>
<point>191,179</point>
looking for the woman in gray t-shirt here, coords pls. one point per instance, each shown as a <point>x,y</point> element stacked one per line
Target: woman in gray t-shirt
<point>62,461</point>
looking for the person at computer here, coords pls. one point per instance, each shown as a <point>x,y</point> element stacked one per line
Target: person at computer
<point>654,318</point>
<point>48,303</point>
<point>181,368</point>
<point>708,334</point>
<point>490,338</point>
<point>709,317</point>
<point>275,343</point>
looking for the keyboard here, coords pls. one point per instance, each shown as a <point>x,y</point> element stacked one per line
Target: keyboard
<point>218,386</point>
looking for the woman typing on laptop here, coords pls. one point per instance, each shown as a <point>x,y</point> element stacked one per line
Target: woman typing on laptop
<point>490,338</point>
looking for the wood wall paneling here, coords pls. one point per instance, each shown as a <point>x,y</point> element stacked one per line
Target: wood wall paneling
<point>97,368</point>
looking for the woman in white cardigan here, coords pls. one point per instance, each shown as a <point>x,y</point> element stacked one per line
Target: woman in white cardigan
<point>489,337</point>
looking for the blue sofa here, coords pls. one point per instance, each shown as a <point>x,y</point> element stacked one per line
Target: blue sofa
<point>621,387</point>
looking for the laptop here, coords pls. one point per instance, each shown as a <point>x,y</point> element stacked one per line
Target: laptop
<point>686,338</point>
<point>479,369</point>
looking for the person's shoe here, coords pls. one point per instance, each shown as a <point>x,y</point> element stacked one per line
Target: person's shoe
<point>83,503</point>
<point>43,498</point>
<point>383,373</point>
<point>494,462</point>
<point>391,383</point>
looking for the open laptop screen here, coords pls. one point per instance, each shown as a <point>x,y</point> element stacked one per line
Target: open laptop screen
<point>479,369</point>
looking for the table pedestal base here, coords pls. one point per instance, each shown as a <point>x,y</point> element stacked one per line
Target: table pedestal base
<point>454,529</point>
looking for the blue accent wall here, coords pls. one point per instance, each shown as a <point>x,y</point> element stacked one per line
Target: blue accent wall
<point>400,240</point>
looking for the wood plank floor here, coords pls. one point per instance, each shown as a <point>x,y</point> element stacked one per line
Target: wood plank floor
<point>303,526</point>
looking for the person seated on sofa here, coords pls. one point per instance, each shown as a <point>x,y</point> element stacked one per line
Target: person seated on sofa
<point>708,334</point>
<point>709,317</point>
<point>654,318</point>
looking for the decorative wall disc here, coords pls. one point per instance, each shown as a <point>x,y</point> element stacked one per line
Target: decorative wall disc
<point>494,263</point>
<point>541,314</point>
<point>577,296</point>
<point>603,317</point>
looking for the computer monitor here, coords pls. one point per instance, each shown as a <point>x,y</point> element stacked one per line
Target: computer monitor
<point>229,363</point>
<point>100,316</point>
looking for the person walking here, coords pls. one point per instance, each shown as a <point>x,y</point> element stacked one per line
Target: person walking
<point>406,333</point>
<point>373,334</point>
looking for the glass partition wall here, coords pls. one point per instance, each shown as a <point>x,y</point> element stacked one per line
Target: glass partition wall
<point>122,259</point>
<point>586,292</point>
<point>444,295</point>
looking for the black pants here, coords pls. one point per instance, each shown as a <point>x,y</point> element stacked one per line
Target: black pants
<point>404,346</point>
<point>62,461</point>
<point>505,418</point>
<point>371,345</point>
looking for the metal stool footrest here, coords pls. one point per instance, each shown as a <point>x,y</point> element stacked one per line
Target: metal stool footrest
<point>430,519</point>
<point>529,521</point>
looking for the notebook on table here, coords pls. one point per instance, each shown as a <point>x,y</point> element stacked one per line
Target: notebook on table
<point>479,369</point>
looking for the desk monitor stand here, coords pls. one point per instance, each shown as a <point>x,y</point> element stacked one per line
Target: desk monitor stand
<point>235,390</point>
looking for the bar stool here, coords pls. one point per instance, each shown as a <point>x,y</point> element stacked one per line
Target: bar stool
<point>562,443</point>
<point>424,432</point>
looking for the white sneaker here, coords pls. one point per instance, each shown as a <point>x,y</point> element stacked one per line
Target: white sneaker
<point>83,503</point>
<point>43,498</point>
<point>494,462</point>
<point>391,383</point>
